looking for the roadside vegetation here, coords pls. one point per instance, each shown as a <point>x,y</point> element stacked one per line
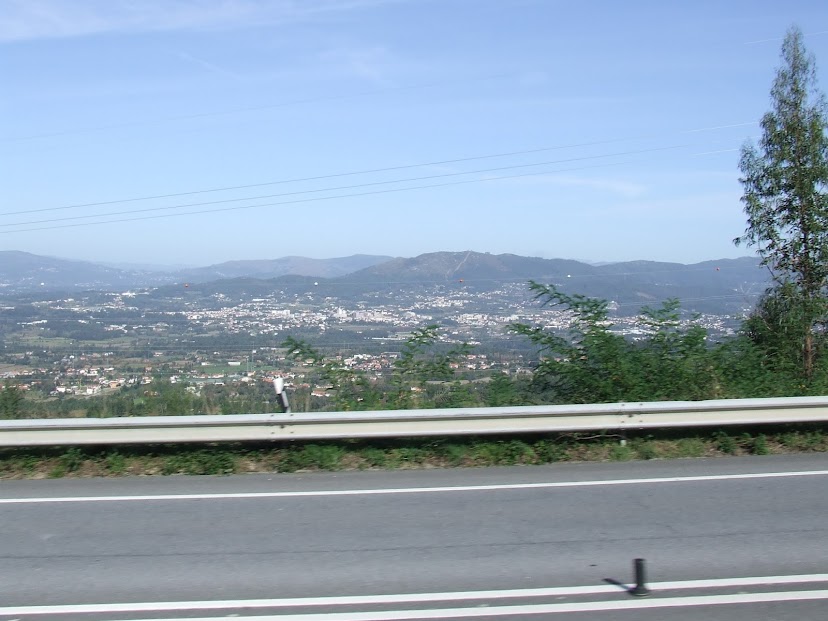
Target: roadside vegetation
<point>781,350</point>
<point>404,453</point>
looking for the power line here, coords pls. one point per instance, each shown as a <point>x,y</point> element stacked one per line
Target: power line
<point>342,187</point>
<point>307,200</point>
<point>315,178</point>
<point>369,171</point>
<point>806,34</point>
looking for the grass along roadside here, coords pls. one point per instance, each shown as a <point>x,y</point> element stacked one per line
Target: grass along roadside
<point>225,459</point>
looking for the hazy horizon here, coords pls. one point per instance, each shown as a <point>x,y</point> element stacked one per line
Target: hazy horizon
<point>243,129</point>
<point>174,267</point>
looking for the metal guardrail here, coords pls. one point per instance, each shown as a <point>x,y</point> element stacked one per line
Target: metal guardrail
<point>412,423</point>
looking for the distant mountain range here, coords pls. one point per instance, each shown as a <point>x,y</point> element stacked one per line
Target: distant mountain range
<point>728,285</point>
<point>21,272</point>
<point>285,266</point>
<point>722,287</point>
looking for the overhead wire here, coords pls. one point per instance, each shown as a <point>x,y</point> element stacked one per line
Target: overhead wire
<point>313,178</point>
<point>344,187</point>
<point>372,170</point>
<point>309,200</point>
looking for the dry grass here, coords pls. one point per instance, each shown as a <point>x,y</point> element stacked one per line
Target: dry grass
<point>399,454</point>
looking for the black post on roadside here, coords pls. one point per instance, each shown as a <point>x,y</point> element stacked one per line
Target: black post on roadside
<point>640,589</point>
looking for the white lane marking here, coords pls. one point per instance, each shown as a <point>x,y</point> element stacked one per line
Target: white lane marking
<point>537,609</point>
<point>365,600</point>
<point>415,490</point>
<point>347,600</point>
<point>718,583</point>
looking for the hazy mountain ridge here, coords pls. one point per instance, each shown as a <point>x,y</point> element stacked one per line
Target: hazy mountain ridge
<point>468,265</point>
<point>22,272</point>
<point>284,266</point>
<point>724,286</point>
<point>727,285</point>
<point>25,272</point>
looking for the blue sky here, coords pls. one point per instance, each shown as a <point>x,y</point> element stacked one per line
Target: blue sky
<point>623,121</point>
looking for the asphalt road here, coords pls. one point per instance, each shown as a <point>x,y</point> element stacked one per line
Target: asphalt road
<point>504,543</point>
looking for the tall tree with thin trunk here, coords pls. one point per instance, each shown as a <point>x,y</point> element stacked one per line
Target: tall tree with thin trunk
<point>785,184</point>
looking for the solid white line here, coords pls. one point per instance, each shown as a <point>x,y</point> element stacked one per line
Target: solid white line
<point>414,490</point>
<point>346,600</point>
<point>536,609</point>
<point>365,600</point>
<point>718,583</point>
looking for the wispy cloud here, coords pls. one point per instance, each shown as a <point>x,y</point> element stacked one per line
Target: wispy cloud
<point>22,20</point>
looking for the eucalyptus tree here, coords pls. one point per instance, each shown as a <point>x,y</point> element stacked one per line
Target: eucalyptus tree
<point>785,183</point>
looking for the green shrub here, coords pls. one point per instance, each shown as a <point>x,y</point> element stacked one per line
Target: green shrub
<point>312,456</point>
<point>690,447</point>
<point>549,451</point>
<point>409,455</point>
<point>645,449</point>
<point>454,454</point>
<point>812,440</point>
<point>620,452</point>
<point>27,463</point>
<point>115,463</point>
<point>376,458</point>
<point>200,462</point>
<point>725,443</point>
<point>58,472</point>
<point>760,445</point>
<point>502,453</point>
<point>72,459</point>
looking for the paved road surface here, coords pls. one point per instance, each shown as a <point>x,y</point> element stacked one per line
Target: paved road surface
<point>503,543</point>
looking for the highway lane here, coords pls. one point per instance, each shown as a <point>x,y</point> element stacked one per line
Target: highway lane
<point>781,597</point>
<point>347,534</point>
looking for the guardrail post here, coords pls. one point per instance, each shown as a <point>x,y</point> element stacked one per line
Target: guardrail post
<point>281,395</point>
<point>640,589</point>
